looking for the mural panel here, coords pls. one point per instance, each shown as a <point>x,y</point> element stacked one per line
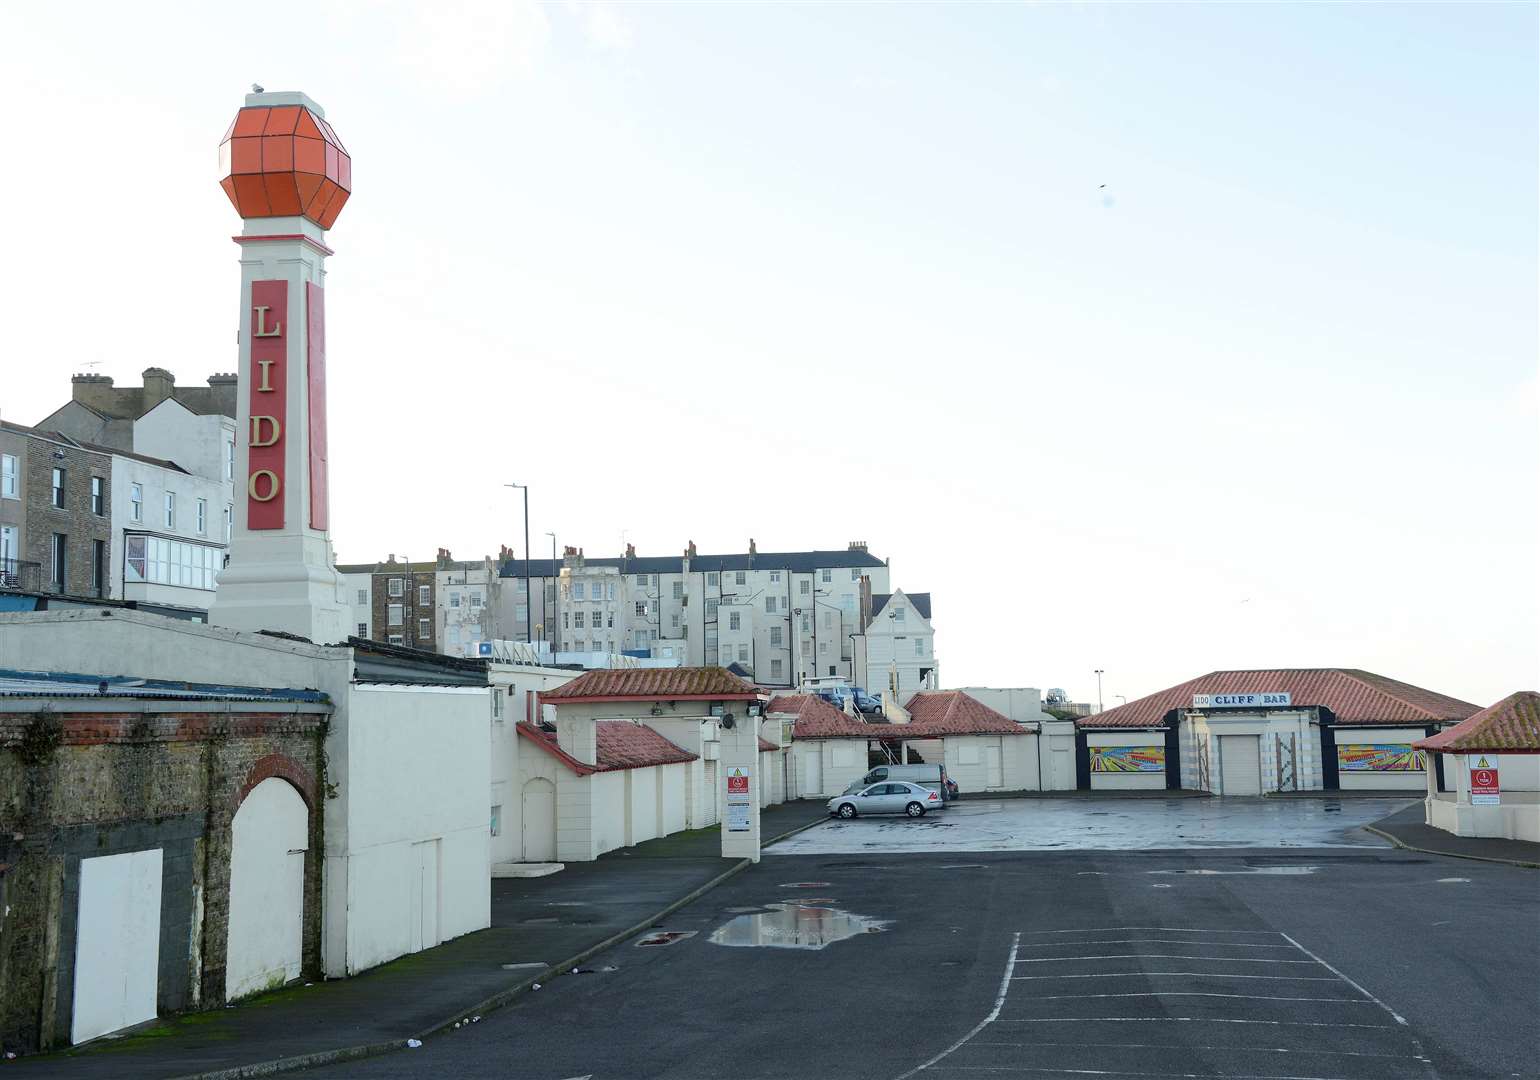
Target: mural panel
<point>1380,757</point>
<point>1128,759</point>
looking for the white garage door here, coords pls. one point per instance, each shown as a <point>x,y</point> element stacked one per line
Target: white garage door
<point>269,836</point>
<point>1240,763</point>
<point>117,943</point>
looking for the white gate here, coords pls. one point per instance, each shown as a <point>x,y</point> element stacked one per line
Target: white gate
<point>117,943</point>
<point>539,817</point>
<point>265,933</point>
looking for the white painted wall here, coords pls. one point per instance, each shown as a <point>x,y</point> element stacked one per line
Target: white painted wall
<point>517,684</point>
<point>1023,704</point>
<point>417,771</point>
<point>156,481</point>
<point>674,789</point>
<point>641,822</point>
<point>826,767</point>
<point>117,943</point>
<point>609,811</point>
<point>270,835</point>
<point>1516,817</point>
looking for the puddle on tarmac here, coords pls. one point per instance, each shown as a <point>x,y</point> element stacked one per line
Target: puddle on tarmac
<point>664,937</point>
<point>795,926</point>
<point>1290,870</point>
<point>804,885</point>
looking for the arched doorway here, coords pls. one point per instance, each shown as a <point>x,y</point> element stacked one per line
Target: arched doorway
<point>538,813</point>
<point>268,839</point>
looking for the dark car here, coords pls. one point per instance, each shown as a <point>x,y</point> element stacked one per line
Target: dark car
<point>862,701</point>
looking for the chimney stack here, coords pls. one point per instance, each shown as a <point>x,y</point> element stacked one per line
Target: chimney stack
<point>752,549</point>
<point>858,545</point>
<point>630,551</point>
<point>158,384</point>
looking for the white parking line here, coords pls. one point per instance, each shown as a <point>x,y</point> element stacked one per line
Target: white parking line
<point>1198,993</point>
<point>1147,929</point>
<point>1154,941</point>
<point>1205,974</point>
<point>994,1014</point>
<point>1184,1020</point>
<point>1235,1049</point>
<point>1161,956</point>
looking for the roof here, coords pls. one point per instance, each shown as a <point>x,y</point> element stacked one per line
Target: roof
<point>66,440</point>
<point>1353,696</point>
<point>766,745</point>
<point>640,684</point>
<point>1510,726</point>
<point>952,712</point>
<point>797,562</point>
<point>817,719</point>
<point>58,684</point>
<point>920,600</point>
<point>620,744</point>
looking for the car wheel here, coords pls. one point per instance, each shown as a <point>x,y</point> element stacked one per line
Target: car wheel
<point>847,811</point>
<point>914,809</point>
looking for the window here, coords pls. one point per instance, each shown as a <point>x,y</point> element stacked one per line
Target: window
<point>170,509</point>
<point>898,614</point>
<point>740,578</point>
<point>98,567</point>
<point>98,499</point>
<point>641,581</point>
<point>136,502</point>
<point>10,546</point>
<point>566,620</point>
<point>609,620</point>
<point>805,626</point>
<point>395,587</point>
<point>919,646</point>
<point>674,621</point>
<point>823,646</point>
<point>776,667</point>
<point>711,608</point>
<point>363,629</point>
<point>497,711</point>
<point>577,619</point>
<point>641,609</point>
<point>393,614</point>
<point>743,654</point>
<point>203,516</point>
<point>775,577</point>
<point>770,603</point>
<point>363,597</point>
<point>520,614</point>
<point>229,522</point>
<point>580,645</point>
<point>828,620</point>
<point>806,586</point>
<point>734,620</point>
<point>10,477</point>
<point>714,579</point>
<point>775,636</point>
<point>170,562</point>
<point>678,590</point>
<point>454,599</point>
<point>828,576</point>
<point>424,595</point>
<point>56,557</point>
<point>655,581</point>
<point>395,639</point>
<point>454,635</point>
<point>424,631</point>
<point>58,488</point>
<point>230,459</point>
<point>577,590</point>
<point>475,600</point>
<point>497,816</point>
<point>855,575</point>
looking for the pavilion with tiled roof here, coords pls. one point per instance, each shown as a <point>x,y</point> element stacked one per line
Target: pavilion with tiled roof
<point>1491,784</point>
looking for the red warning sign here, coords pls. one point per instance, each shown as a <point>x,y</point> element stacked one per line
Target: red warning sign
<point>738,783</point>
<point>1483,780</point>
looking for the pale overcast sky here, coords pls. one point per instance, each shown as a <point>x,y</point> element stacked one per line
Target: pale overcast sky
<point>820,273</point>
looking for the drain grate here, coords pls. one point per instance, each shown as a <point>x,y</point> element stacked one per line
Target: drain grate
<point>665,937</point>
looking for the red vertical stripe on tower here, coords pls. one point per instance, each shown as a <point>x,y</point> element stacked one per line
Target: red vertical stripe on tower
<point>315,329</point>
<point>267,434</point>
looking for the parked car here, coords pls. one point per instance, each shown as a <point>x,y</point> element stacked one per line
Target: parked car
<point>860,700</point>
<point>886,798</point>
<point>931,776</point>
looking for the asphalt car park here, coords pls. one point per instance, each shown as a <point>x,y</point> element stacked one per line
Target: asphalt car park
<point>1340,962</point>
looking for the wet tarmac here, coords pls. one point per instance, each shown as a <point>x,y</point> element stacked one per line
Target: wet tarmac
<point>795,926</point>
<point>1080,824</point>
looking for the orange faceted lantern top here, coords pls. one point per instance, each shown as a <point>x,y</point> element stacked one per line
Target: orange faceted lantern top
<point>285,161</point>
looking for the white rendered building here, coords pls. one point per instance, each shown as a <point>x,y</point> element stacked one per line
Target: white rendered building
<point>896,650</point>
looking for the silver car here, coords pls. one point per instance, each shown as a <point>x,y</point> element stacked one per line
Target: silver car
<point>889,798</point>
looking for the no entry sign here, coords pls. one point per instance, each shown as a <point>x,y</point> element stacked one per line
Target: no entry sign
<point>1483,780</point>
<point>737,784</point>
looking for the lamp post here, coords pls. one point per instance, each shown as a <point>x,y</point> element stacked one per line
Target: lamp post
<point>551,613</point>
<point>529,612</point>
<point>1099,673</point>
<point>1121,698</point>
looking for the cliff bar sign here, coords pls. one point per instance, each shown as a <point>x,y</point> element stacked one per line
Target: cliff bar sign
<point>1241,701</point>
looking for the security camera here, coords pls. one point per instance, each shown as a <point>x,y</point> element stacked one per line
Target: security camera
<point>728,721</point>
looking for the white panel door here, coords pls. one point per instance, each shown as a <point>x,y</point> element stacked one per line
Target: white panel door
<point>815,770</point>
<point>1240,764</point>
<point>539,824</point>
<point>265,935</point>
<point>425,929</point>
<point>994,766</point>
<point>117,943</point>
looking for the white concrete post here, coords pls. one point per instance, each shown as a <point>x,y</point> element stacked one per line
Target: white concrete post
<point>740,779</point>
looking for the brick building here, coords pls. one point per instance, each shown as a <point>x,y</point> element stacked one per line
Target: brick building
<point>128,810</point>
<point>67,530</point>
<point>402,601</point>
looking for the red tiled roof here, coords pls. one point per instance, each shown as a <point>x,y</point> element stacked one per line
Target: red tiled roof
<point>641,684</point>
<point>1510,726</point>
<point>1353,696</point>
<point>935,713</point>
<point>817,719</point>
<point>765,745</point>
<point>621,744</point>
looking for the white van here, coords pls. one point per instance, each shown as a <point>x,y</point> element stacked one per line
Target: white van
<point>931,776</point>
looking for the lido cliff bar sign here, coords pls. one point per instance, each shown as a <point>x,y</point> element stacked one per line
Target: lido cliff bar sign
<point>269,404</point>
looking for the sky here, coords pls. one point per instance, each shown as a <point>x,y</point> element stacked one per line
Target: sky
<point>1154,338</point>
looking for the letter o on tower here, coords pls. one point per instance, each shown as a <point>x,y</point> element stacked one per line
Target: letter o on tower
<point>274,485</point>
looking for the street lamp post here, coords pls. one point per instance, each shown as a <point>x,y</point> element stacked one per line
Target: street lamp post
<point>551,612</point>
<point>1099,673</point>
<point>529,608</point>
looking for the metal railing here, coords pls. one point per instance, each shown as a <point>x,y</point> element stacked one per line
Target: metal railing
<point>20,574</point>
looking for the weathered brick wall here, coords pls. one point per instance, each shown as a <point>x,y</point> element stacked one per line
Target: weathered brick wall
<point>75,785</point>
<point>76,520</point>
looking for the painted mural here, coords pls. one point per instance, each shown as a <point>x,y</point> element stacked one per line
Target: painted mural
<point>1128,759</point>
<point>1380,757</point>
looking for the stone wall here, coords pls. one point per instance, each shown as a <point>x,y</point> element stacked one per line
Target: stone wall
<point>78,784</point>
